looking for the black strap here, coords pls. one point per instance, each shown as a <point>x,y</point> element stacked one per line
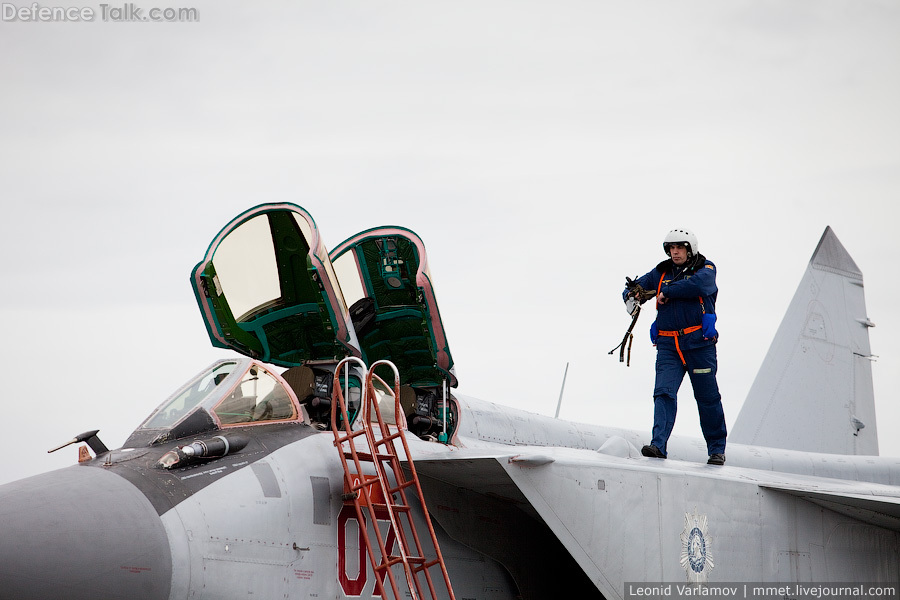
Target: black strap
<point>628,338</point>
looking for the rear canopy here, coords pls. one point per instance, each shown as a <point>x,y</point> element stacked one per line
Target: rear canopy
<point>384,272</point>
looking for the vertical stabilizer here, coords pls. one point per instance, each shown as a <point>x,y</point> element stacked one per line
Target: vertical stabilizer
<point>814,389</point>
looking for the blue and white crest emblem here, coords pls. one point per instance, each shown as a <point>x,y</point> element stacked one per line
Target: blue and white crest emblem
<point>696,554</point>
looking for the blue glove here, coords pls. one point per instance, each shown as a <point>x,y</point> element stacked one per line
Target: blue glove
<point>625,294</point>
<point>654,333</point>
<point>709,326</point>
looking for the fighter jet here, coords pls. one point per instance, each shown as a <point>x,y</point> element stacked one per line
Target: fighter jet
<point>330,457</point>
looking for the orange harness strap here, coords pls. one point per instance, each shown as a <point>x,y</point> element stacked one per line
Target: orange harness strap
<point>679,333</point>
<point>659,289</point>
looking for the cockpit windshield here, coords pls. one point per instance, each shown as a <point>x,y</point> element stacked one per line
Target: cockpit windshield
<point>258,397</point>
<point>189,396</point>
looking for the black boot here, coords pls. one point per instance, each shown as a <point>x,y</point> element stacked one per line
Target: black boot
<point>652,451</point>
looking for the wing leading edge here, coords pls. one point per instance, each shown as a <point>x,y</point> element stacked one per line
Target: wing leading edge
<point>881,511</point>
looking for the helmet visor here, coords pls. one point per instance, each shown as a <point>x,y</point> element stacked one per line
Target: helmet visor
<point>668,245</point>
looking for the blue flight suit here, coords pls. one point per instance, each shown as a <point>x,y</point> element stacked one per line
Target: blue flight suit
<point>691,291</point>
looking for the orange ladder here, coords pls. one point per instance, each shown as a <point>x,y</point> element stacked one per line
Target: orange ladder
<point>378,495</point>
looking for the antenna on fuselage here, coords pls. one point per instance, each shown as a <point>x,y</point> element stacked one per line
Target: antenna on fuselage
<point>561,390</point>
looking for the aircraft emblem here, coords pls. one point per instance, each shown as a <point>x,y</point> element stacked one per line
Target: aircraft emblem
<point>696,554</point>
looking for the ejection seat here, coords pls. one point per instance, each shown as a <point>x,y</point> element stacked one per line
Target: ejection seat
<point>237,408</point>
<point>408,401</point>
<point>302,380</point>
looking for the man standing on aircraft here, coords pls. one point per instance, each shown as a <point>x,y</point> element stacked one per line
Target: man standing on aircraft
<point>685,336</point>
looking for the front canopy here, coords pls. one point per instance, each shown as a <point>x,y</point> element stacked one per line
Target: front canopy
<point>266,288</point>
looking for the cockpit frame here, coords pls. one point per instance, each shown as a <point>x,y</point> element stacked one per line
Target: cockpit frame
<point>211,400</point>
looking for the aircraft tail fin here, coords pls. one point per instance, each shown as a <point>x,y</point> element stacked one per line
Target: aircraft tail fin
<point>814,390</point>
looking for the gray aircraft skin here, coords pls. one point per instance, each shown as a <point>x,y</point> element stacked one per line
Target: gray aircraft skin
<point>524,505</point>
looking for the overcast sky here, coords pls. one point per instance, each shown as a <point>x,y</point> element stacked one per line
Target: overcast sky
<point>542,150</point>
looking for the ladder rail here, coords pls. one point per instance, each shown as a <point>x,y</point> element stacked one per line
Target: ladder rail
<point>437,549</point>
<point>348,439</point>
<point>390,456</point>
<point>388,440</point>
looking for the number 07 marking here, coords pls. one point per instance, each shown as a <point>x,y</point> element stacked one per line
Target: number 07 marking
<point>355,586</point>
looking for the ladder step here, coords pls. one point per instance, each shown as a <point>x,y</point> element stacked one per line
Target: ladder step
<point>367,456</point>
<point>426,566</point>
<point>363,483</point>
<point>389,438</point>
<point>349,436</point>
<point>402,486</point>
<point>393,559</point>
<point>392,507</point>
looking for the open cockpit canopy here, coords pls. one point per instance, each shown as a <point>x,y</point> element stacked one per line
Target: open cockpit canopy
<point>384,272</point>
<point>266,288</point>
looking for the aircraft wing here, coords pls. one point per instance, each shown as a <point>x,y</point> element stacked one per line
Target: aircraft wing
<point>486,501</point>
<point>879,510</point>
<point>623,518</point>
<point>531,506</point>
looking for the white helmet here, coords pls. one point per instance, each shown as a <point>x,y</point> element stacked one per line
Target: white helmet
<point>682,236</point>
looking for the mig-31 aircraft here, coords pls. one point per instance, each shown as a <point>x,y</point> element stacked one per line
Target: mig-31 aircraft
<point>331,458</point>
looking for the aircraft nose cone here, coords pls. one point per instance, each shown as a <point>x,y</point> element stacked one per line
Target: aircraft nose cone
<point>81,533</point>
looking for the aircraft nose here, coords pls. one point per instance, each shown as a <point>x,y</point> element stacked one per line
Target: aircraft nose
<point>81,533</point>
